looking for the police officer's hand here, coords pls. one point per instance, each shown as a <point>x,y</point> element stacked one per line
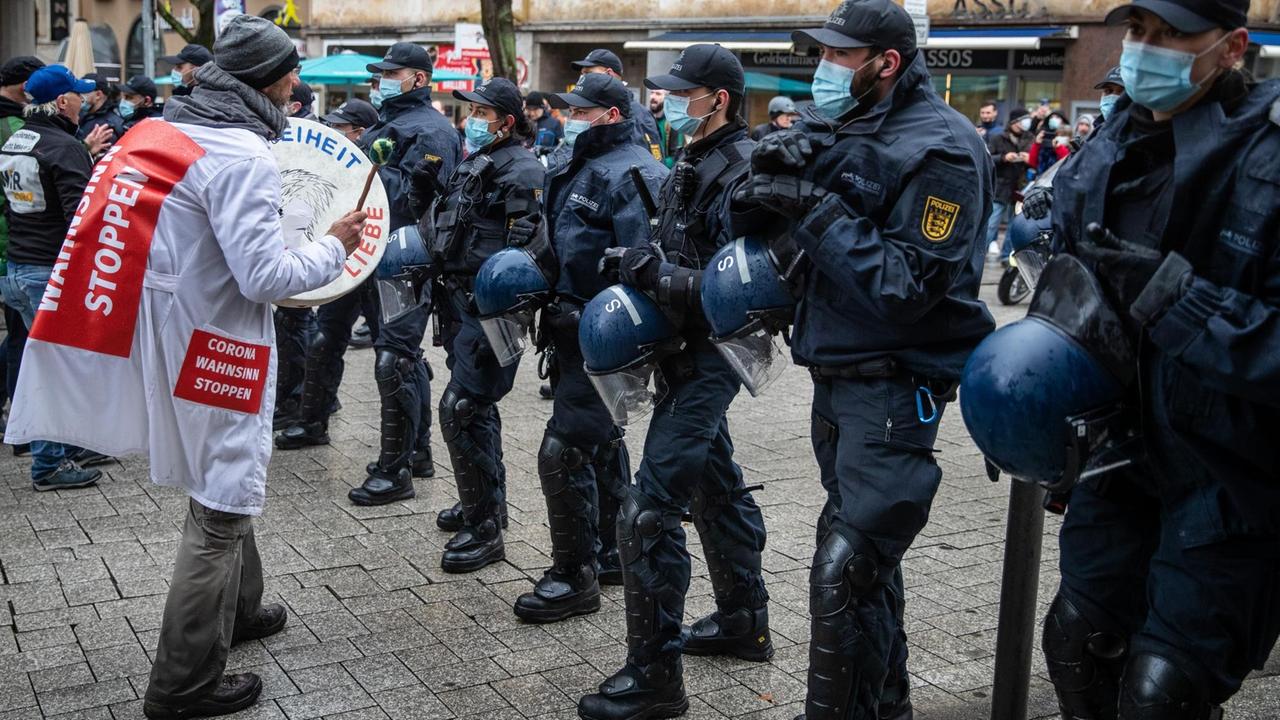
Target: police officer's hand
<point>349,228</point>
<point>610,264</point>
<point>639,268</point>
<point>1037,203</point>
<point>1123,267</point>
<point>785,195</point>
<point>425,183</point>
<point>781,153</point>
<point>522,231</point>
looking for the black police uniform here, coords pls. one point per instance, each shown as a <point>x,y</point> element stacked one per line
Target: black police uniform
<point>592,204</point>
<point>491,189</point>
<point>402,373</point>
<point>1171,570</point>
<point>888,315</point>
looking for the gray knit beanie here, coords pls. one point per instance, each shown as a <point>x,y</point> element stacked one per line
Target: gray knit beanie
<point>254,51</point>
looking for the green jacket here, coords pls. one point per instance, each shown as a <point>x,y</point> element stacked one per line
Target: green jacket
<point>8,126</point>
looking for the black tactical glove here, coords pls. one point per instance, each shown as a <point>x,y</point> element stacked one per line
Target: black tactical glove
<point>631,266</point>
<point>425,184</point>
<point>1123,267</point>
<point>781,153</point>
<point>786,195</point>
<point>1038,203</point>
<point>1165,288</point>
<point>522,231</point>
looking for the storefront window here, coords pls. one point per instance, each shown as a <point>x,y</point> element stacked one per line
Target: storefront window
<point>1032,92</point>
<point>967,93</point>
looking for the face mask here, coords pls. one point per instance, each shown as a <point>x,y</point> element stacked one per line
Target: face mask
<point>1158,78</point>
<point>1107,105</point>
<point>1025,124</point>
<point>375,98</point>
<point>390,88</point>
<point>833,87</point>
<point>127,109</point>
<point>175,77</point>
<point>677,111</point>
<point>574,128</point>
<point>1055,123</point>
<point>478,133</point>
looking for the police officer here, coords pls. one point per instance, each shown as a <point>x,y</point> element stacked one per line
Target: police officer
<point>592,203</point>
<point>323,366</point>
<point>419,132</point>
<point>608,63</point>
<point>884,189</point>
<point>1170,589</point>
<point>138,101</point>
<point>100,109</point>
<point>189,59</point>
<point>782,113</point>
<point>688,455</point>
<point>498,184</point>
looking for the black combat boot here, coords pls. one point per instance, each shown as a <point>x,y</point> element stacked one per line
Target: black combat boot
<point>560,595</point>
<point>743,634</point>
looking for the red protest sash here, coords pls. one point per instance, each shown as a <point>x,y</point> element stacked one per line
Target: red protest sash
<point>91,301</point>
<point>224,372</point>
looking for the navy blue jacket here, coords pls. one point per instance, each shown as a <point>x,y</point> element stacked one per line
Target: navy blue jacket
<point>898,244</point>
<point>1210,360</point>
<point>592,204</point>
<point>418,130</point>
<point>108,115</point>
<point>647,135</point>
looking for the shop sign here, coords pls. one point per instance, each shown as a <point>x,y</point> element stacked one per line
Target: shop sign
<point>957,59</point>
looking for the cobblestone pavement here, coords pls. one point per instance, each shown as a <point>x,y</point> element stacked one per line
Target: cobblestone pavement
<point>376,630</point>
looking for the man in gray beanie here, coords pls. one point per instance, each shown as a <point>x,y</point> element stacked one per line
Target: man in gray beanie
<point>181,345</point>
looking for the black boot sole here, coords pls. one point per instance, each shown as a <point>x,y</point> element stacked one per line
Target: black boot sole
<point>740,650</point>
<point>656,712</point>
<point>587,605</point>
<point>383,499</point>
<point>458,567</point>
<point>424,472</point>
<point>298,444</point>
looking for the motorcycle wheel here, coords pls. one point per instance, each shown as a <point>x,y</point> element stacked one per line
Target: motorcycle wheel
<point>1012,288</point>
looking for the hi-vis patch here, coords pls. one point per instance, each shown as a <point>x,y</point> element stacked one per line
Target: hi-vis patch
<point>939,219</point>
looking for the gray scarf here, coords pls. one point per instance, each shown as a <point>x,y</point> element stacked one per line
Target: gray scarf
<point>220,100</point>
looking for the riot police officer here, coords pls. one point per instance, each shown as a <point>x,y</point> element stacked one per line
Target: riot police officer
<point>420,133</point>
<point>592,203</point>
<point>499,183</point>
<point>883,190</point>
<point>1170,589</point>
<point>688,455</point>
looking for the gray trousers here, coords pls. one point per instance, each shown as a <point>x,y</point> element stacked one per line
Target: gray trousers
<point>217,581</point>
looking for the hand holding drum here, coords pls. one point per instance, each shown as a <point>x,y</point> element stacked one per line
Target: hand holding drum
<point>349,228</point>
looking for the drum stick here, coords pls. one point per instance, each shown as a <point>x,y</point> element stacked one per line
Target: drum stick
<point>379,154</point>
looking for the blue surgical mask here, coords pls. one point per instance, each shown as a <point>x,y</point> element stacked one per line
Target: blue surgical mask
<point>478,134</point>
<point>176,78</point>
<point>1159,78</point>
<point>390,88</point>
<point>676,109</point>
<point>1055,123</point>
<point>833,89</point>
<point>574,128</point>
<point>127,109</point>
<point>1107,105</point>
<point>375,98</point>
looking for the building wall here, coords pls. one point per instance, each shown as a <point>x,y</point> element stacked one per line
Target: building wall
<point>1088,59</point>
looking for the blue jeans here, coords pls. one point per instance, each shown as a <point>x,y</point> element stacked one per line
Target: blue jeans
<point>1000,212</point>
<point>22,290</point>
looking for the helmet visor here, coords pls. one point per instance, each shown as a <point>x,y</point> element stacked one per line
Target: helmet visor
<point>626,393</point>
<point>756,357</point>
<point>1030,262</point>
<point>397,297</point>
<point>508,335</point>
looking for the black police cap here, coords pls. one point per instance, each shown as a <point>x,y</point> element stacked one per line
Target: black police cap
<point>1113,78</point>
<point>141,85</point>
<point>16,70</point>
<point>600,58</point>
<point>101,83</point>
<point>863,23</point>
<point>355,112</point>
<point>498,93</point>
<point>403,55</point>
<point>702,65</point>
<point>596,90</point>
<point>1188,16</point>
<point>195,54</point>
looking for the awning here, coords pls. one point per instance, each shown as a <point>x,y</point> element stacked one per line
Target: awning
<point>351,69</point>
<point>1268,43</point>
<point>777,85</point>
<point>998,38</point>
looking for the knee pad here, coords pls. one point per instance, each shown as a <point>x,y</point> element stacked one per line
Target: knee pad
<point>841,573</point>
<point>456,412</point>
<point>826,518</point>
<point>1159,688</point>
<point>391,371</point>
<point>323,346</point>
<point>557,459</point>
<point>1084,662</point>
<point>640,523</point>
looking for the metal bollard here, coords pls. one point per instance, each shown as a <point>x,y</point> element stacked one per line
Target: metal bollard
<point>1019,586</point>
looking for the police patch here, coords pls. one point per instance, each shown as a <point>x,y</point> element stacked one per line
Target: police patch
<point>939,219</point>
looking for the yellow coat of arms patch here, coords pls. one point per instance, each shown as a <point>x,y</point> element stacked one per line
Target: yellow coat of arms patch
<point>939,219</point>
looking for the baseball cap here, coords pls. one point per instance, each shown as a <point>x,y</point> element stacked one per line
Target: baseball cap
<point>1188,16</point>
<point>403,55</point>
<point>498,93</point>
<point>355,112</point>
<point>99,82</point>
<point>53,81</point>
<point>596,90</point>
<point>302,93</point>
<point>863,23</point>
<point>141,85</point>
<point>16,70</point>
<point>1113,78</point>
<point>535,99</point>
<point>194,54</point>
<point>600,58</point>
<point>702,65</point>
<point>782,105</point>
<point>1017,114</point>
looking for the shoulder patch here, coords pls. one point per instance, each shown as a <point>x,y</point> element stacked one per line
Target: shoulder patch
<point>939,219</point>
<point>21,142</point>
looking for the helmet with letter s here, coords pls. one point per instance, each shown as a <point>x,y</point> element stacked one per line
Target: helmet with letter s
<point>509,288</point>
<point>624,336</point>
<point>402,274</point>
<point>1045,398</point>
<point>748,305</point>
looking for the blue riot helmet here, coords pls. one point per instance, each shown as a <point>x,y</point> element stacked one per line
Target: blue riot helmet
<point>1031,241</point>
<point>747,304</point>
<point>624,336</point>
<point>509,289</point>
<point>1044,398</point>
<point>402,274</point>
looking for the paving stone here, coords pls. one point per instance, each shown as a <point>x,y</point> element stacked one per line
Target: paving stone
<point>478,699</point>
<point>324,653</point>
<point>83,697</point>
<point>119,661</point>
<point>380,672</point>
<point>412,703</point>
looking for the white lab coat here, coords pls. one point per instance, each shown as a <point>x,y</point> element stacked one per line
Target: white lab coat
<point>217,260</point>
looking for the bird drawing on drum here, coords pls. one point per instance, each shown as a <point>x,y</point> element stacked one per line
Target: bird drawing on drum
<point>303,197</point>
